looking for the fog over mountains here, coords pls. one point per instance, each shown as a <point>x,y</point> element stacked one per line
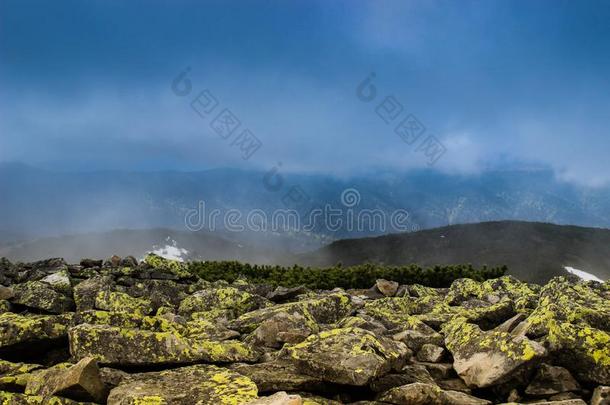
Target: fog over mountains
<point>45,213</point>
<point>45,203</point>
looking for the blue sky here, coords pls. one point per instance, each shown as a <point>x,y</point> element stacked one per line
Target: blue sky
<point>87,84</point>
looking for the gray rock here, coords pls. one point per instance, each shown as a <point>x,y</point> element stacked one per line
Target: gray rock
<point>601,396</point>
<point>387,288</point>
<point>349,356</point>
<point>551,380</point>
<point>430,353</point>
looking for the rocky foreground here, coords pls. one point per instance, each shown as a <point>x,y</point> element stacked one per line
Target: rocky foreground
<point>123,332</point>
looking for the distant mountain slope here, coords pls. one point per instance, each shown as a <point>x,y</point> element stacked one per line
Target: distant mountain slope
<point>45,203</point>
<point>186,245</point>
<point>532,251</point>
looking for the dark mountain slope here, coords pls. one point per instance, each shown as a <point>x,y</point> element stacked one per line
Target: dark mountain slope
<point>532,251</point>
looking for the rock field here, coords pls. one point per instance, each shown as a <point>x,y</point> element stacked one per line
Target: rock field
<point>124,332</point>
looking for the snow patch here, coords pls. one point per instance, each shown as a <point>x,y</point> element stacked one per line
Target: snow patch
<point>171,250</point>
<point>583,274</point>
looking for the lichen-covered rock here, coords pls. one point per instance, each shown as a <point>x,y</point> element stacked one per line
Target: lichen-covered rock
<point>524,295</point>
<point>282,328</point>
<point>173,267</point>
<point>583,350</point>
<point>418,335</point>
<point>487,358</point>
<point>428,394</point>
<point>122,302</point>
<point>42,296</point>
<point>200,384</point>
<point>230,298</point>
<point>562,300</point>
<point>15,329</point>
<point>60,281</point>
<point>347,356</point>
<point>81,382</point>
<point>12,398</point>
<point>122,346</point>
<point>279,376</point>
<point>160,293</point>
<point>328,309</point>
<point>15,376</point>
<point>363,321</point>
<point>85,292</point>
<point>413,394</point>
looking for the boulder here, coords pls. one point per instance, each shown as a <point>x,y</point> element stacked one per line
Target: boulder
<point>430,353</point>
<point>279,375</point>
<point>167,266</point>
<point>362,321</point>
<point>413,394</point>
<point>90,263</point>
<point>239,302</point>
<point>428,394</point>
<point>15,329</point>
<point>461,398</point>
<point>563,301</point>
<point>6,293</point>
<point>601,396</point>
<point>282,328</point>
<point>199,384</point>
<point>422,334</point>
<point>281,294</point>
<point>86,292</point>
<point>12,398</point>
<point>60,281</point>
<point>350,356</point>
<point>561,402</point>
<point>387,288</point>
<point>551,380</point>
<point>412,373</point>
<point>80,382</point>
<point>122,346</point>
<point>279,398</point>
<point>122,302</point>
<point>483,359</point>
<point>42,296</point>
<point>327,308</point>
<point>581,349</point>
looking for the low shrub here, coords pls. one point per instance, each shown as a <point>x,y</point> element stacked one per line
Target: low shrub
<point>359,276</point>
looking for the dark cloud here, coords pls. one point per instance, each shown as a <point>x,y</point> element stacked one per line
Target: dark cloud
<point>87,84</point>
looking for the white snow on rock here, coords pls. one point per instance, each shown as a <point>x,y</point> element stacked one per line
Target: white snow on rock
<point>171,250</point>
<point>583,274</point>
